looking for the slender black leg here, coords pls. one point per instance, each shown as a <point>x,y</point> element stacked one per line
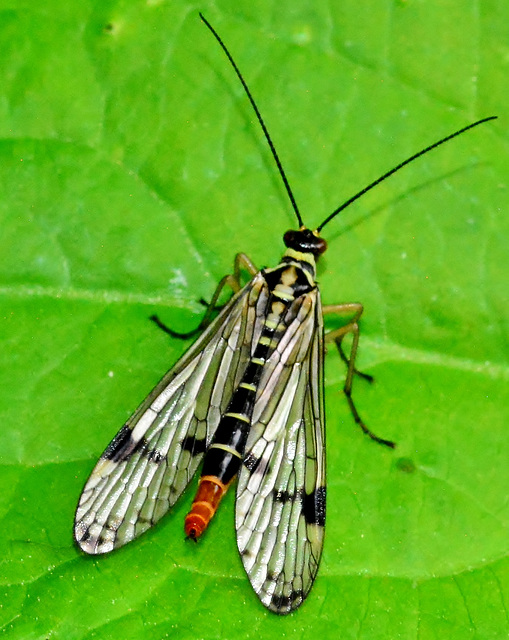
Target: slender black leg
<point>337,335</point>
<point>231,280</point>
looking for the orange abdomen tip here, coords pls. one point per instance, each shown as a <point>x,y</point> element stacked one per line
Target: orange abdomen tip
<point>207,499</point>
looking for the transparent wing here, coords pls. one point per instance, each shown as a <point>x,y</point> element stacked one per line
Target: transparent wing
<point>151,460</point>
<point>280,509</point>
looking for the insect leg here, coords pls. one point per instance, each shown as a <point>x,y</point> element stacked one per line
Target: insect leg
<point>349,308</point>
<point>337,335</point>
<point>356,309</point>
<point>241,261</point>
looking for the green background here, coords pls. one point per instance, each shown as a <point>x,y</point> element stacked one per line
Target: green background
<point>131,171</point>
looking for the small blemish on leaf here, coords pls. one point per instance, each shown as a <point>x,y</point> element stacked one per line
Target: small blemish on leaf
<point>406,465</point>
<point>302,36</point>
<point>112,27</point>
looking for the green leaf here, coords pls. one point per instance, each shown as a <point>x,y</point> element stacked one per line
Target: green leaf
<point>131,171</point>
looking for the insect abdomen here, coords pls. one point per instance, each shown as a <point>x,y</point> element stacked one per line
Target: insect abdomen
<point>205,504</point>
<point>224,456</point>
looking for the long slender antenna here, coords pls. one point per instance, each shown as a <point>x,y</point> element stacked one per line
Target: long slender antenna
<point>278,161</point>
<point>398,167</point>
<point>260,120</point>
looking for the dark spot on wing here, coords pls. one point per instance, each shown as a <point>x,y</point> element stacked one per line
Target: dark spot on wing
<point>281,496</point>
<point>284,604</point>
<point>314,507</point>
<point>251,462</point>
<point>194,445</point>
<point>287,496</point>
<point>154,455</point>
<point>121,447</point>
<point>86,536</point>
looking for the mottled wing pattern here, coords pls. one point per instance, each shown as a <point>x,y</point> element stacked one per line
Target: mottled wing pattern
<point>280,509</point>
<point>151,460</point>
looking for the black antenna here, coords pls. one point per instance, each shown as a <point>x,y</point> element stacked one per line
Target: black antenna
<point>260,120</point>
<point>278,161</point>
<point>398,167</point>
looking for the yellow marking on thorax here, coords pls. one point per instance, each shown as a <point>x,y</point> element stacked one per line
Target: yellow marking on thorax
<point>301,257</point>
<point>289,276</point>
<point>278,308</point>
<point>285,293</point>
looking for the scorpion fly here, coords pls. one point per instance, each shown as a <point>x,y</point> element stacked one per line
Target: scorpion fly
<point>246,401</point>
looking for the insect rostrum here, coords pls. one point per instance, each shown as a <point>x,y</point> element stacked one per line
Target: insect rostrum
<point>247,401</point>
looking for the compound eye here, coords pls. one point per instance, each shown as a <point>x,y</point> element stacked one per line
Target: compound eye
<point>321,245</point>
<point>304,241</point>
